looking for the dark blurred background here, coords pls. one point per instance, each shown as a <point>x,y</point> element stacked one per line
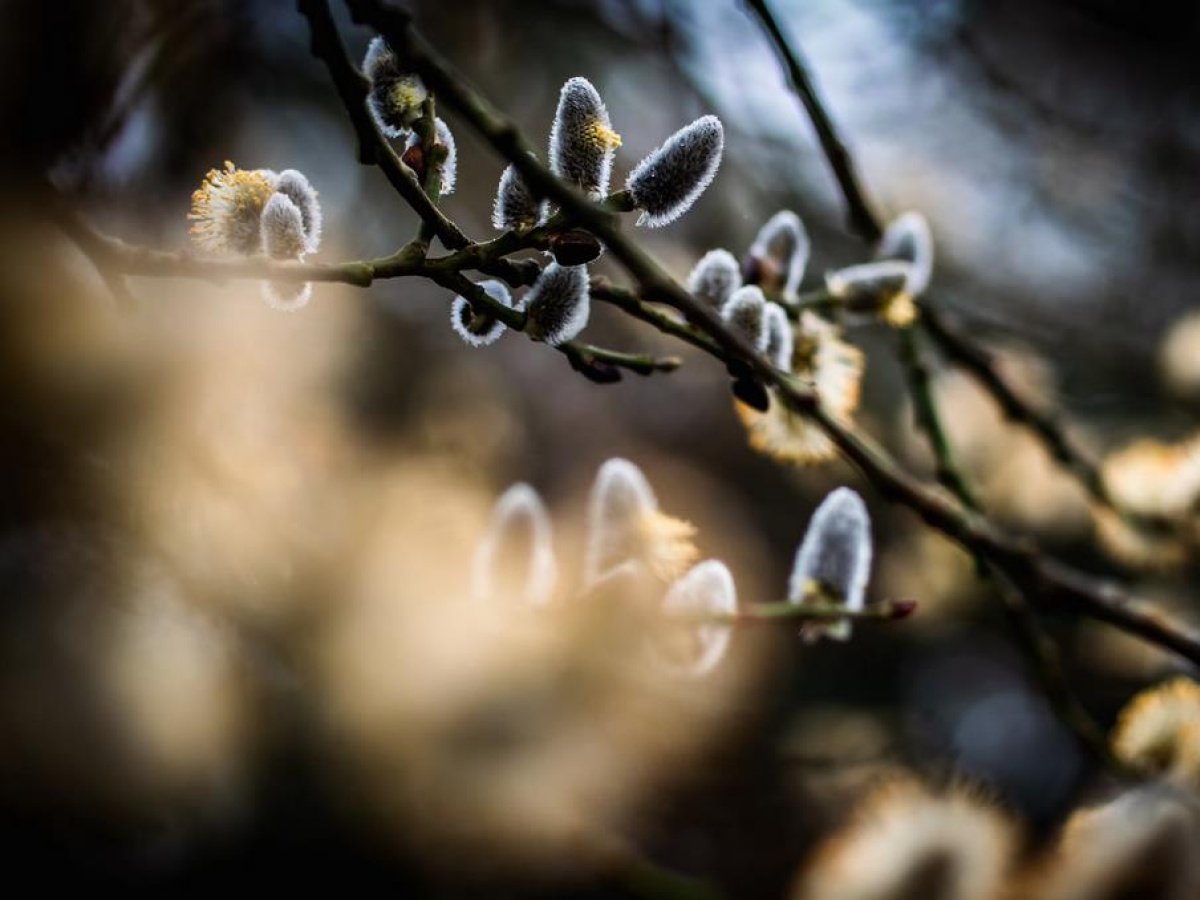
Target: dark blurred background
<point>1052,145</point>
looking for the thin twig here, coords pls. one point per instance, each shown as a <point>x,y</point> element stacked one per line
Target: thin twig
<point>862,218</point>
<point>1040,649</point>
<point>640,363</point>
<point>373,148</point>
<point>1043,424</point>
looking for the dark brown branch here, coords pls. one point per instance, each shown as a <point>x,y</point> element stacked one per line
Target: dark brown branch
<point>863,219</point>
<point>1044,425</point>
<point>1041,650</point>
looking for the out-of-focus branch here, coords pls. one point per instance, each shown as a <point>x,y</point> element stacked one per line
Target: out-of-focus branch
<point>1040,649</point>
<point>1043,576</point>
<point>631,303</point>
<point>791,613</point>
<point>1043,424</point>
<point>928,417</point>
<point>862,217</point>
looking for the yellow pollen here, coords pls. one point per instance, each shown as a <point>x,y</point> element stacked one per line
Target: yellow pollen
<point>667,544</point>
<point>900,311</point>
<point>602,135</point>
<point>226,207</point>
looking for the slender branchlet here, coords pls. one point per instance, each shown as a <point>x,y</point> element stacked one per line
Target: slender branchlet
<point>396,96</point>
<point>582,140</point>
<point>296,187</point>
<point>714,278</point>
<point>516,561</point>
<point>779,343</point>
<point>558,304</point>
<point>745,312</point>
<point>666,183</point>
<point>696,649</point>
<point>779,255</point>
<point>477,327</point>
<point>834,559</point>
<point>515,206</point>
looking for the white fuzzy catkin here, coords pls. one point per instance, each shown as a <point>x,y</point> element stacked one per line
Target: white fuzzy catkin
<point>869,280</point>
<point>515,206</point>
<point>582,141</point>
<point>909,239</point>
<point>706,589</point>
<point>558,304</point>
<point>620,496</point>
<point>395,98</point>
<point>835,556</point>
<point>745,312</point>
<point>282,228</point>
<point>666,183</point>
<point>519,525</point>
<point>478,329</point>
<point>780,343</point>
<point>283,237</point>
<point>296,187</point>
<point>781,249</point>
<point>445,137</point>
<point>714,278</point>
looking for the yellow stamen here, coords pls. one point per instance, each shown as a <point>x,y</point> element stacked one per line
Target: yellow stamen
<point>667,544</point>
<point>603,136</point>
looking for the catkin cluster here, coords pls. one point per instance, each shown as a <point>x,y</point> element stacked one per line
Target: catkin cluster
<point>238,212</point>
<point>635,550</point>
<point>759,299</point>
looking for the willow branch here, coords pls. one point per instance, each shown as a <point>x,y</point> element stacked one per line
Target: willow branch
<point>1053,581</point>
<point>1040,649</point>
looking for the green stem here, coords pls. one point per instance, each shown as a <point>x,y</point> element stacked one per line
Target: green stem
<point>1041,651</point>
